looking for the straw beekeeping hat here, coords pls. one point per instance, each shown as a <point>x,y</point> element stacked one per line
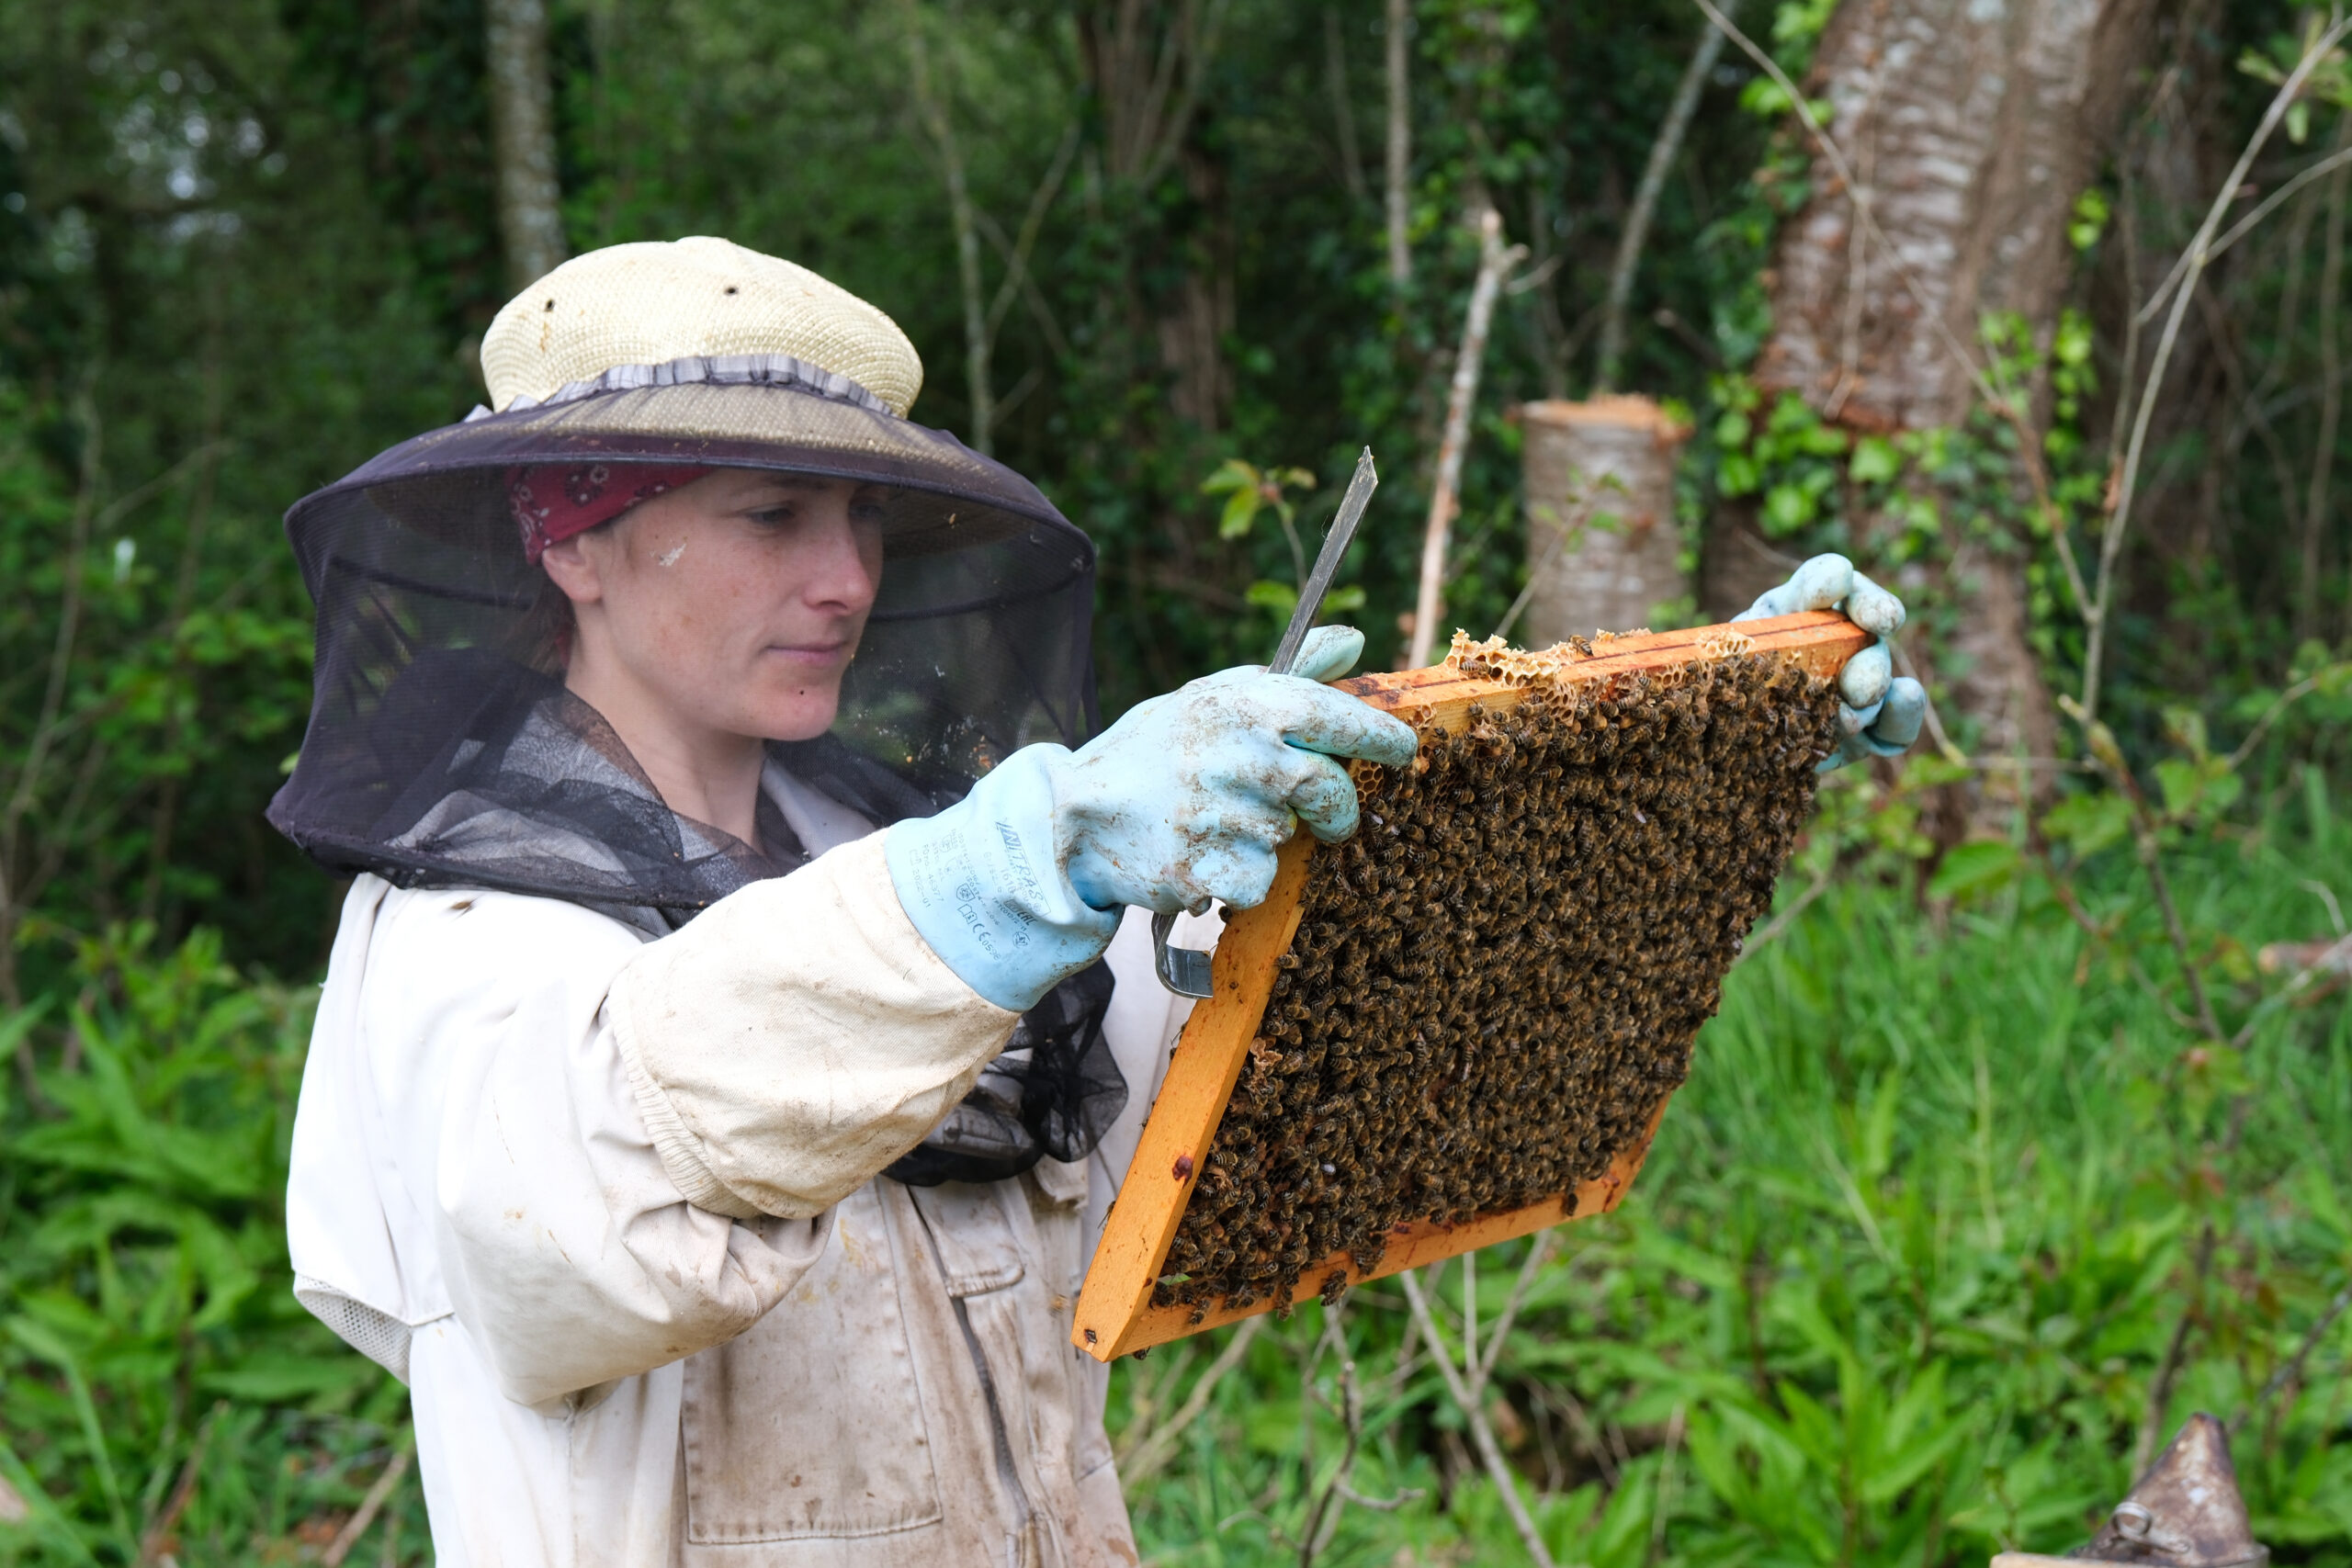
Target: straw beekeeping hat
<point>696,298</point>
<point>698,352</point>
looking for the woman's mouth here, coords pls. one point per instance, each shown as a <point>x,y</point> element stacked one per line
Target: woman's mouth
<point>813,655</point>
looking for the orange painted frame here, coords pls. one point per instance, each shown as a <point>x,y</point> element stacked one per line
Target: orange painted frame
<point>1114,1316</point>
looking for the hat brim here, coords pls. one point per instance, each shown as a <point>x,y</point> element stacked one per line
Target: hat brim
<point>944,496</point>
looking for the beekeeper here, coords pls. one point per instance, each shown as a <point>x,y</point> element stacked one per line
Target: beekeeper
<point>733,1040</point>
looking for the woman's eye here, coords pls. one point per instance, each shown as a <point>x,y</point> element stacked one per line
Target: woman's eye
<point>772,516</point>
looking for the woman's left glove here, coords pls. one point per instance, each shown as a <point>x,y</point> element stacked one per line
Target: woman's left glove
<point>1185,799</point>
<point>1879,714</point>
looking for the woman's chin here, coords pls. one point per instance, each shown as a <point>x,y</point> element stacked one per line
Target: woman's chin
<point>798,717</point>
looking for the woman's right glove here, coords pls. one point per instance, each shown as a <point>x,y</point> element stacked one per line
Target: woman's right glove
<point>1185,800</point>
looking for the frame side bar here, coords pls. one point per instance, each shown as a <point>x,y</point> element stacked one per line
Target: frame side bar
<point>1175,1145</point>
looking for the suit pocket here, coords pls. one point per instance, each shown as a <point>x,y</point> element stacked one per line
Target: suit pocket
<point>810,1425</point>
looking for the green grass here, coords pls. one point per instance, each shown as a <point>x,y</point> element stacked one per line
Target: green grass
<point>1894,1288</point>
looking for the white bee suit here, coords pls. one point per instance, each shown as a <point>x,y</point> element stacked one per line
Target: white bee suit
<point>609,1207</point>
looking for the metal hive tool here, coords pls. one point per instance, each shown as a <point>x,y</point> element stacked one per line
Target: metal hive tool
<point>1464,1024</point>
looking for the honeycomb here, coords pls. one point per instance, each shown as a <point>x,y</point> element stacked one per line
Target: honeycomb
<point>1495,981</point>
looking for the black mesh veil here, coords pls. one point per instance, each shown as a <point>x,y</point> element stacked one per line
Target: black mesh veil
<point>443,749</point>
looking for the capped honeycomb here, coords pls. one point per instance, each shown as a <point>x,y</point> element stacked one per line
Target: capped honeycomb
<point>1496,980</point>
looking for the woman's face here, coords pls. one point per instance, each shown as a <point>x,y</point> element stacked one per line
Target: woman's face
<point>733,603</point>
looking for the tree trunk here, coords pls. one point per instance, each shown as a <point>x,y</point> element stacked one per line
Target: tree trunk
<point>935,109</point>
<point>1974,127</point>
<point>522,122</point>
<point>1195,319</point>
<point>1495,262</point>
<point>1971,127</point>
<point>1396,188</point>
<point>1602,548</point>
<point>1146,65</point>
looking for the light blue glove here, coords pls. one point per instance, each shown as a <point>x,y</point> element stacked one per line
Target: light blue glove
<point>1185,799</point>
<point>1879,715</point>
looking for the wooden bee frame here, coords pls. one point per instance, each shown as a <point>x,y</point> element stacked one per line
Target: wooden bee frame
<point>1116,1315</point>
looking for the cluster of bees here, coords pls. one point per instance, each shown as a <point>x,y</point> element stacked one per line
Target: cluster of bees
<point>1498,980</point>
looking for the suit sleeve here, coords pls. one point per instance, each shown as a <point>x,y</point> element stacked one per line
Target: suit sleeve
<point>798,1037</point>
<point>561,1239</point>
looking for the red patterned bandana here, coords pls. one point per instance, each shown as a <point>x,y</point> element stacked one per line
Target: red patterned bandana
<point>553,501</point>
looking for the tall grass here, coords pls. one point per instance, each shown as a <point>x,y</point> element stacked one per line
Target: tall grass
<point>1925,1229</point>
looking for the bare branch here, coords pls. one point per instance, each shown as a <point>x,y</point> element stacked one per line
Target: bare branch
<point>1859,194</point>
<point>1494,259</point>
<point>1782,922</point>
<point>1343,114</point>
<point>2143,1447</point>
<point>2331,403</point>
<point>1323,1518</point>
<point>1152,1452</point>
<point>1401,141</point>
<point>521,113</point>
<point>61,664</point>
<point>2145,842</point>
<point>1196,39</point>
<point>1663,151</point>
<point>1539,1253</point>
<point>152,1539</point>
<point>1903,666</point>
<point>369,1506</point>
<point>2330,960</point>
<point>1664,1505</point>
<point>2239,230</point>
<point>1465,1400</point>
<point>939,123</point>
<point>2292,1368</point>
<point>1016,255</point>
<point>1040,311</point>
<point>2197,257</point>
<point>2271,715</point>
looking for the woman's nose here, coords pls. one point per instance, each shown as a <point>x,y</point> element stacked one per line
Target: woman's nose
<point>842,577</point>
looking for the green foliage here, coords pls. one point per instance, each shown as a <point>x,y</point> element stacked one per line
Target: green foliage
<point>1248,490</point>
<point>1782,453</point>
<point>204,312</point>
<point>1893,1289</point>
<point>150,1344</point>
<point>2329,82</point>
<point>2089,221</point>
<point>1901,504</point>
<point>1964,1209</point>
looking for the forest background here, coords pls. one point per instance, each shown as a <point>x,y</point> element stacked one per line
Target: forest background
<point>2027,1127</point>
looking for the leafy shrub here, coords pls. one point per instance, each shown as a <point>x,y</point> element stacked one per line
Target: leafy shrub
<point>164,1396</point>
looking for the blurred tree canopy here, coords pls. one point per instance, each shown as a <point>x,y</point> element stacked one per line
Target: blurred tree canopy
<point>245,244</point>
